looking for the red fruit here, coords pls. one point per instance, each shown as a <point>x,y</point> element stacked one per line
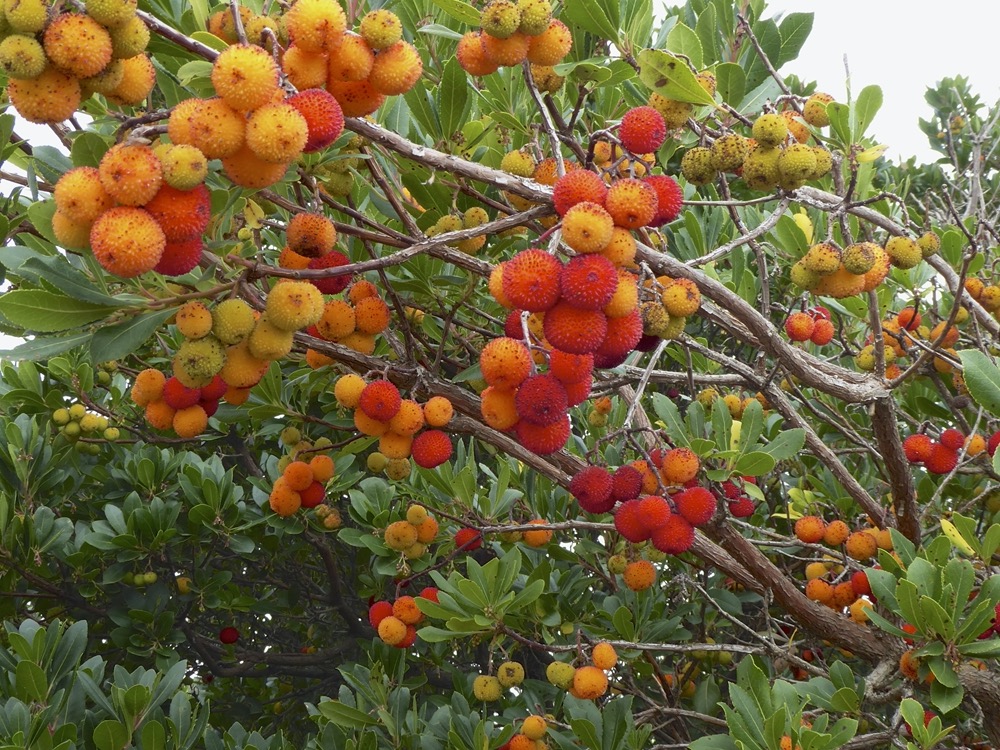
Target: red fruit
<point>570,368</point>
<point>642,130</point>
<point>429,592</point>
<point>799,326</point>
<point>626,483</point>
<point>622,336</point>
<point>576,187</point>
<point>409,639</point>
<point>378,612</point>
<point>697,505</point>
<point>468,539</point>
<point>531,280</point>
<point>380,400</point>
<point>543,439</point>
<point>654,511</point>
<point>541,400</point>
<point>670,198</point>
<point>592,489</point>
<point>992,443</point>
<point>505,363</point>
<point>909,319</point>
<point>731,491</point>
<point>941,460</point>
<point>215,389</point>
<point>181,214</point>
<point>952,438</point>
<point>431,448</point>
<point>179,396</point>
<point>323,115</point>
<point>312,495</point>
<point>822,332</point>
<point>859,580</point>
<point>742,507</point>
<point>209,406</point>
<point>588,281</point>
<point>918,448</point>
<point>229,635</point>
<point>332,284</point>
<point>675,536</point>
<point>630,523</point>
<point>512,327</point>
<point>179,258</point>
<point>577,393</point>
<point>575,330</point>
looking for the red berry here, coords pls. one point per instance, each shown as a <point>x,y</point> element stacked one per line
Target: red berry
<point>742,507</point>
<point>941,460</point>
<point>378,612</point>
<point>642,130</point>
<point>670,199</point>
<point>229,635</point>
<point>918,448</point>
<point>592,489</point>
<point>468,539</point>
<point>952,438</point>
<point>799,326</point>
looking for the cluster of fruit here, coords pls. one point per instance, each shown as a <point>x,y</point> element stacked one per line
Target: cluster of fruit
<point>137,211</point>
<point>412,535</point>
<point>941,456</point>
<point>55,61</point>
<point>533,730</point>
<point>586,682</point>
<point>396,621</point>
<point>810,325</point>
<point>735,402</point>
<point>773,157</point>
<point>75,422</point>
<point>172,406</point>
<point>309,245</point>
<point>470,219</point>
<point>140,579</point>
<point>353,322</point>
<point>675,113</point>
<point>399,424</point>
<point>301,485</point>
<point>512,32</point>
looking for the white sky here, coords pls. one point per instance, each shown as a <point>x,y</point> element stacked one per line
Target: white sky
<point>904,47</point>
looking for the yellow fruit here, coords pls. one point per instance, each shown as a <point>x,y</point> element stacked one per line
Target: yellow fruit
<point>194,320</point>
<point>381,29</point>
<point>232,321</point>
<point>269,342</point>
<point>131,173</point>
<point>277,132</point>
<point>316,25</point>
<point>400,535</point>
<point>246,169</point>
<point>396,69</point>
<point>25,16</point>
<point>49,98</point>
<point>111,13</point>
<point>486,688</point>
<point>138,76</point>
<point>245,76</point>
<point>80,196</point>
<point>604,656</point>
<point>77,44</point>
<point>294,305</point>
<point>305,70</point>
<point>510,674</point>
<point>21,56</point>
<point>560,674</point>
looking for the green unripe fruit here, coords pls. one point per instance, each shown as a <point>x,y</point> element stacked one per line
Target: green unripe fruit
<point>560,674</point>
<point>339,185</point>
<point>474,217</point>
<point>510,674</point>
<point>654,555</point>
<point>128,579</point>
<point>377,462</point>
<point>26,16</point>
<point>567,628</point>
<point>992,501</point>
<point>448,223</point>
<point>322,444</point>
<point>198,360</point>
<point>486,688</point>
<point>760,168</point>
<point>697,167</point>
<point>77,411</point>
<point>519,163</point>
<point>61,416</point>
<point>617,564</point>
<point>232,321</point>
<point>814,111</point>
<point>129,39</point>
<point>71,430</point>
<point>729,151</point>
<point>822,259</point>
<point>803,277</point>
<point>111,433</point>
<point>244,234</point>
<point>139,580</point>
<point>150,578</point>
<point>290,436</point>
<point>22,57</point>
<point>90,422</point>
<point>596,419</point>
<point>500,19</point>
<point>903,252</point>
<point>675,114</point>
<point>858,258</point>
<point>111,13</point>
<point>381,28</point>
<point>770,130</point>
<point>675,328</point>
<point>655,319</point>
<point>398,468</point>
<point>535,16</point>
<point>824,162</point>
<point>184,166</point>
<point>283,463</point>
<point>929,243</point>
<point>103,378</point>
<point>865,359</point>
<point>795,164</point>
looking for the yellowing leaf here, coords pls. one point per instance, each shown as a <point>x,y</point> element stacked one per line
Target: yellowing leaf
<point>871,154</point>
<point>253,214</point>
<point>670,76</point>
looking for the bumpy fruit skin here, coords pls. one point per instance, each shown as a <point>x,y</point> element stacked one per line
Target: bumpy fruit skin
<point>277,132</point>
<point>575,330</point>
<point>182,214</point>
<point>697,166</point>
<point>632,203</point>
<point>381,28</point>
<point>770,130</point>
<point>536,15</point>
<point>858,258</point>
<point>861,545</point>
<point>431,448</point>
<point>380,400</point>
<point>51,97</point>
<point>471,55</point>
<point>675,114</point>
<point>642,130</point>
<point>194,320</point>
<point>127,241</point>
<point>316,25</point>
<point>836,533</point>
<point>129,39</point>
<point>796,164</point>
<point>681,298</point>
<point>356,98</point>
<point>212,126</point>
<point>306,70</point>
<point>588,282</point>
<point>814,111</point>
<point>760,168</point>
<point>543,440</point>
<point>77,44</point>
<point>80,195</point>
<point>639,575</point>
<point>800,326</point>
<point>576,186</point>
<point>294,305</point>
<point>552,45</point>
<point>589,683</point>
<point>184,166</point>
<point>941,460</point>
<point>670,199</point>
<point>21,57</point>
<point>810,529</point>
<point>486,688</point>
<point>246,76</point>
<point>396,69</point>
<point>531,280</point>
<point>675,537</point>
<point>729,151</point>
<point>500,18</point>
<point>323,115</point>
<point>903,252</point>
<point>131,174</point>
<point>587,227</point>
<point>823,332</point>
<point>505,363</point>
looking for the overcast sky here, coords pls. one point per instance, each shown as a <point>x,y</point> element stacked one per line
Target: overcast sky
<point>904,47</point>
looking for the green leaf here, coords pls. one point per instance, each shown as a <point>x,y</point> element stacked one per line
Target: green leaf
<point>683,40</point>
<point>867,106</point>
<point>43,348</point>
<point>32,684</point>
<point>346,716</point>
<point>38,310</point>
<point>731,83</point>
<point>153,736</point>
<point>754,464</point>
<point>460,11</point>
<point>57,272</point>
<point>840,115</point>
<point>590,16</point>
<point>794,30</point>
<point>117,341</point>
<point>453,98</point>
<point>587,733</point>
<point>982,377</point>
<point>666,410</point>
<point>88,148</point>
<point>945,699</point>
<point>788,443</point>
<point>670,76</point>
<point>111,735</point>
